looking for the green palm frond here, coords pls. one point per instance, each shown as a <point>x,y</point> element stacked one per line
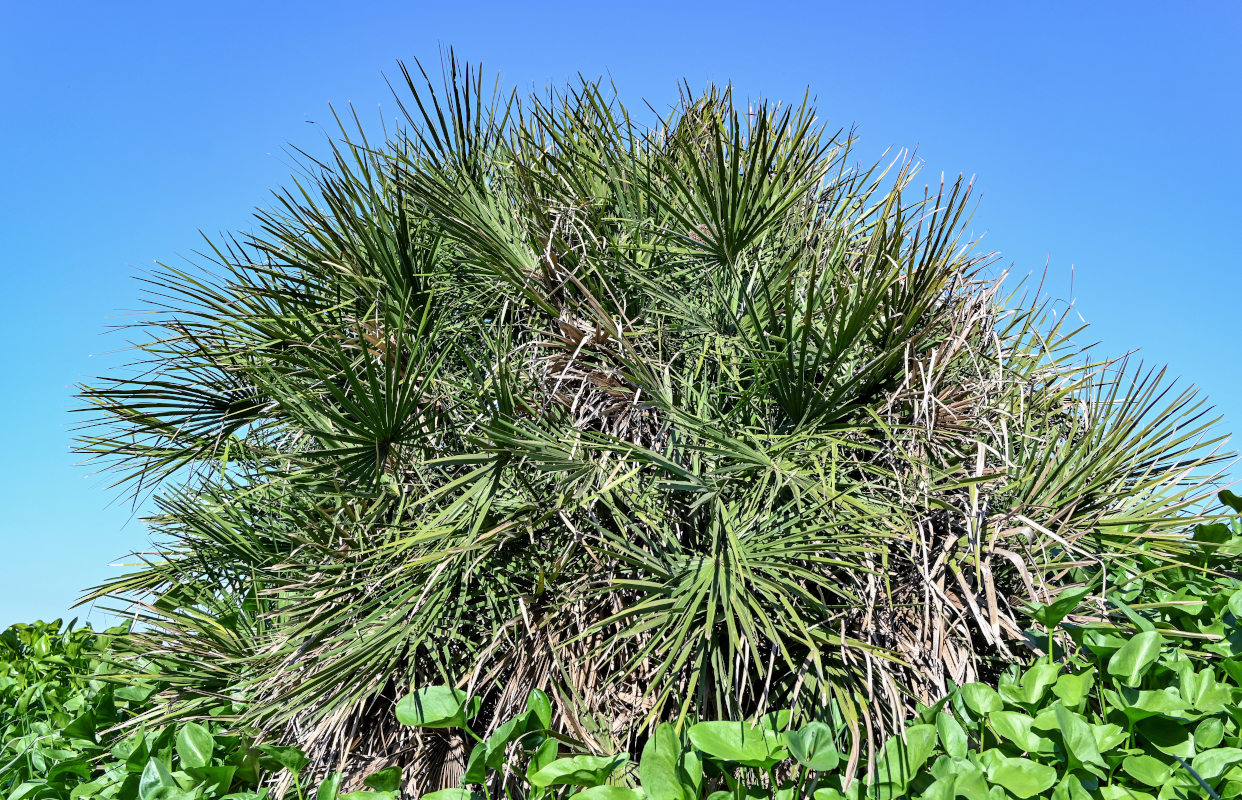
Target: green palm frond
<point>695,419</point>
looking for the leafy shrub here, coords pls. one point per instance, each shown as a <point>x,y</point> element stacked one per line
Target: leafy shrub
<point>1149,711</point>
<point>55,696</point>
<point>699,419</point>
<point>1153,715</point>
<point>63,696</point>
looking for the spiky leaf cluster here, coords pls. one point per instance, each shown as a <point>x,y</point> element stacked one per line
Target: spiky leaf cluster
<point>690,418</point>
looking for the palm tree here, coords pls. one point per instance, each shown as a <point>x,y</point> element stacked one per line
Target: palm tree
<point>695,418</point>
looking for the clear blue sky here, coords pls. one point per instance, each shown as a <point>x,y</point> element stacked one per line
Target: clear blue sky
<point>1104,136</point>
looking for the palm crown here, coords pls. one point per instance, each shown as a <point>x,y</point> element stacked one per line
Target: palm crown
<point>690,419</point>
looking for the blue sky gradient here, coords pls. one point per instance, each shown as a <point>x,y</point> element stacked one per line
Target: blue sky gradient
<point>1103,136</point>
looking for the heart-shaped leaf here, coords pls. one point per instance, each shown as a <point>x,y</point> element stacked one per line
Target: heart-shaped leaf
<point>577,771</point>
<point>1147,770</point>
<point>1023,777</point>
<point>538,704</point>
<point>194,745</point>
<point>738,743</point>
<point>1050,615</point>
<point>386,780</point>
<point>658,767</point>
<point>813,747</point>
<point>434,707</point>
<point>1211,764</point>
<point>981,698</point>
<point>952,735</point>
<point>291,758</point>
<point>1135,657</point>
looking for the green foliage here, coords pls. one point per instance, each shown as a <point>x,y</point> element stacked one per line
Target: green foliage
<point>691,420</point>
<point>67,730</point>
<point>58,693</point>
<point>1152,715</point>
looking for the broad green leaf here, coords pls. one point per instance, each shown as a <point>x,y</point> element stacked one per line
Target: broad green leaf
<point>739,743</point>
<point>981,698</point>
<point>134,693</point>
<point>329,787</point>
<point>1078,737</point>
<point>820,794</point>
<point>1107,736</point>
<point>82,727</point>
<point>813,746</point>
<point>1168,736</point>
<point>658,767</point>
<point>155,776</point>
<point>1113,791</point>
<point>920,744</point>
<point>690,772</point>
<point>248,762</point>
<point>538,704</point>
<point>1016,727</point>
<point>927,714</point>
<point>1051,614</point>
<point>1033,684</point>
<point>1235,604</point>
<point>952,736</point>
<point>1209,734</point>
<point>1213,763</point>
<point>1071,788</point>
<point>476,765</point>
<point>135,750</point>
<point>455,793</point>
<point>174,793</point>
<point>1136,704</point>
<point>213,780</point>
<point>941,789</point>
<point>776,721</point>
<point>544,755</point>
<point>507,733</point>
<point>607,793</point>
<point>434,707</point>
<point>1135,657</point>
<point>903,755</point>
<point>1023,777</point>
<point>385,780</point>
<point>577,771</point>
<point>291,758</point>
<point>885,791</point>
<point>1147,770</point>
<point>194,745</point>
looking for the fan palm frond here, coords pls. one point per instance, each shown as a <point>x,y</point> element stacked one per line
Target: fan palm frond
<point>692,420</point>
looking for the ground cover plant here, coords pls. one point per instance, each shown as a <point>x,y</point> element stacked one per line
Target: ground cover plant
<point>53,698</point>
<point>1143,706</point>
<point>689,420</point>
<point>1140,716</point>
<point>71,725</point>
